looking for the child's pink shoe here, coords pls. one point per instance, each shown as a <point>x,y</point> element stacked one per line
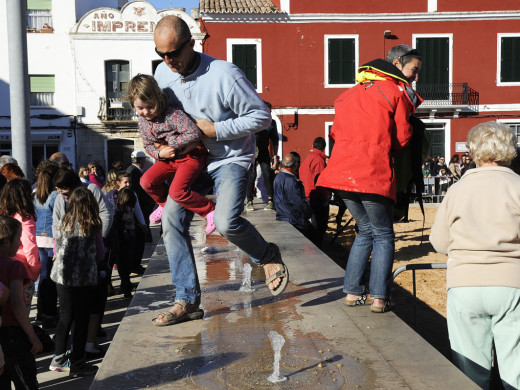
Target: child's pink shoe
<point>156,216</point>
<point>210,227</point>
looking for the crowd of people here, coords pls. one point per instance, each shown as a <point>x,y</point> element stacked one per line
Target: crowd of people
<point>60,238</point>
<point>443,175</point>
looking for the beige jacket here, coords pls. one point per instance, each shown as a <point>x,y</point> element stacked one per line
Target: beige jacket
<point>478,227</point>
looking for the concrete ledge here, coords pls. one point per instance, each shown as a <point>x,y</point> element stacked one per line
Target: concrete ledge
<point>327,345</point>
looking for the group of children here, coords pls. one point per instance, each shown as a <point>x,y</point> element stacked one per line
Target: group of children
<point>69,234</point>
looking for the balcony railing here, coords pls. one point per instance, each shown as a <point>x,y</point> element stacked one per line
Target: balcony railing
<point>449,96</point>
<point>115,110</point>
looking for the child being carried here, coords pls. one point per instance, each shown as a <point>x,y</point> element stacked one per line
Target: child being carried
<point>180,155</point>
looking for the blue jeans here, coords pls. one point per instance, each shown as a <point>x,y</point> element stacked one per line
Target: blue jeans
<point>230,186</point>
<point>374,216</point>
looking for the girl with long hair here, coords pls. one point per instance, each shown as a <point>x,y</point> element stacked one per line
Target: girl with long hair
<point>79,250</point>
<point>45,196</point>
<point>16,201</point>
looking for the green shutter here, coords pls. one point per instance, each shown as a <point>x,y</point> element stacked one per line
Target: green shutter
<point>435,68</point>
<point>42,83</point>
<point>244,56</point>
<point>39,4</point>
<point>342,61</point>
<point>510,59</point>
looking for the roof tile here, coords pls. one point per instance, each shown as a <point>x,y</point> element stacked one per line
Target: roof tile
<point>237,6</point>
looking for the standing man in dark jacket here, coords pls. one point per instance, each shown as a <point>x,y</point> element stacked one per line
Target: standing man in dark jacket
<point>318,198</point>
<point>264,139</point>
<point>289,198</point>
<point>136,171</point>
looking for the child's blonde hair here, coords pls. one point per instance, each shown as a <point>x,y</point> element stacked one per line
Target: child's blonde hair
<point>9,227</point>
<point>145,87</point>
<point>83,171</point>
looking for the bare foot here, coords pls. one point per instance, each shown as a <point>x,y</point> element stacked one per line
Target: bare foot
<point>271,269</point>
<point>177,312</point>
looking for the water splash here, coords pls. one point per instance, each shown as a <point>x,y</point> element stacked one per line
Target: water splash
<point>246,279</point>
<point>277,342</point>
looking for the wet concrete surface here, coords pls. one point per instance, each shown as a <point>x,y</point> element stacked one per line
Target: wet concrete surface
<point>327,345</point>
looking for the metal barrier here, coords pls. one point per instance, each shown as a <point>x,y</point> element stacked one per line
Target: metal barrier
<point>414,267</point>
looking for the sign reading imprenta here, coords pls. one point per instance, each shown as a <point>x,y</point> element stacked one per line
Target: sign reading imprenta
<point>134,17</point>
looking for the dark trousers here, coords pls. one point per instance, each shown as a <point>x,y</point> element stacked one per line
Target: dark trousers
<point>125,257</point>
<point>20,365</point>
<point>140,241</point>
<point>321,213</point>
<point>268,176</point>
<point>75,304</point>
<point>47,294</point>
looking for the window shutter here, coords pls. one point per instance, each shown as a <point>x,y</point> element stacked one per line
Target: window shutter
<point>39,4</point>
<point>510,59</point>
<point>341,61</point>
<point>244,56</point>
<point>42,83</point>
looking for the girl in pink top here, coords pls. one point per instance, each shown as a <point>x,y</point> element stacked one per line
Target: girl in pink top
<point>16,201</point>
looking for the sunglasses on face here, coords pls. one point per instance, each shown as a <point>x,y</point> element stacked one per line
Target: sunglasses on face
<point>174,53</point>
<point>413,52</point>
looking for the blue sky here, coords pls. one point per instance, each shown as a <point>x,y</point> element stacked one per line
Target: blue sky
<point>162,4</point>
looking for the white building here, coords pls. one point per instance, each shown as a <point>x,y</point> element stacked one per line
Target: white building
<point>81,54</point>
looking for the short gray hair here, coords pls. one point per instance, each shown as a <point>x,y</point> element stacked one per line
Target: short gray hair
<point>6,159</point>
<point>492,142</point>
<point>400,52</point>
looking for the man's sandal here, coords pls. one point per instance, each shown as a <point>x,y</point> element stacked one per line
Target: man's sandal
<point>191,312</point>
<point>283,274</point>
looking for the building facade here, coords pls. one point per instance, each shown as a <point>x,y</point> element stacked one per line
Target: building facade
<point>302,55</point>
<point>81,55</point>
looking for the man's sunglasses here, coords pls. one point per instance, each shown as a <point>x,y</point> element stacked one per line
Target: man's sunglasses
<point>413,52</point>
<point>174,53</point>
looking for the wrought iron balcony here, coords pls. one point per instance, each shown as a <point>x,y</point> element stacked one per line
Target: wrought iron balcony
<point>115,110</point>
<point>457,99</point>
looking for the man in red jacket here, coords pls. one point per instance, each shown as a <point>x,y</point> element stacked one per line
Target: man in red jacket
<point>318,198</point>
<point>371,121</point>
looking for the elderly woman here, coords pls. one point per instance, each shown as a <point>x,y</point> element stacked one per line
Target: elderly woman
<point>478,227</point>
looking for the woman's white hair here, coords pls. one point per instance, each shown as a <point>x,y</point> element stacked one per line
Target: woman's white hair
<point>492,142</point>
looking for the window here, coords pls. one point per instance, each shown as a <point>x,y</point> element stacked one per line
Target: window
<point>437,133</point>
<point>328,140</point>
<point>42,90</point>
<point>247,55</point>
<point>435,75</point>
<point>119,149</point>
<point>516,127</point>
<point>508,59</point>
<point>117,74</point>
<point>39,15</point>
<point>341,60</point>
<point>41,152</point>
<point>155,64</point>
<point>117,78</point>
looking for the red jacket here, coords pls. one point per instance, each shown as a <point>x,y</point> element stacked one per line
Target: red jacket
<point>371,120</point>
<point>310,168</point>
